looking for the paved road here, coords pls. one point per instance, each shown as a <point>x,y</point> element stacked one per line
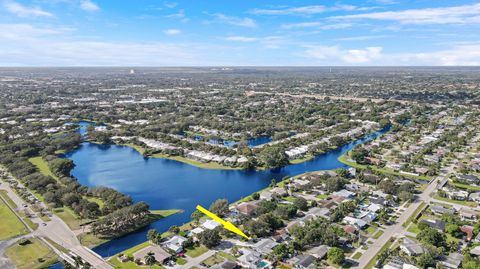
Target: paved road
<point>57,231</point>
<point>398,230</point>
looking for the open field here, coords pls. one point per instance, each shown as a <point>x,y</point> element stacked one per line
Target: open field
<point>31,256</point>
<point>10,225</point>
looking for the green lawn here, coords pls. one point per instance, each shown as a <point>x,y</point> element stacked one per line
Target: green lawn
<point>42,166</point>
<point>378,234</point>
<point>166,213</point>
<point>31,256</point>
<point>413,228</point>
<point>69,217</point>
<point>357,256</point>
<point>465,186</point>
<point>10,225</point>
<point>372,262</point>
<point>417,211</point>
<point>217,258</point>
<point>197,251</point>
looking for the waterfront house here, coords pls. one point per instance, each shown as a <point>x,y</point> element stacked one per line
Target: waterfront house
<point>175,243</point>
<point>247,208</point>
<point>160,254</point>
<point>210,224</point>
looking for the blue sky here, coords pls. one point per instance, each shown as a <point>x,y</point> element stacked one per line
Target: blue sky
<point>248,32</point>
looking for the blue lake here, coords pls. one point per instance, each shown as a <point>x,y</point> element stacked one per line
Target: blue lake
<point>168,184</point>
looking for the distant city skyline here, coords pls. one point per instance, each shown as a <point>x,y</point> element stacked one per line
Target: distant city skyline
<point>239,33</point>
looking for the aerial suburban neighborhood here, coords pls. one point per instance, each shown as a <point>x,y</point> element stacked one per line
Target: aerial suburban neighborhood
<point>108,176</point>
<point>274,134</point>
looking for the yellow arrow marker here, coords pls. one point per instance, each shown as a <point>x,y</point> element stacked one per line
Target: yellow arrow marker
<point>226,224</point>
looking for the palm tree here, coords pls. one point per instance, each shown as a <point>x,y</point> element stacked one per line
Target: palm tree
<point>150,259</point>
<point>87,265</point>
<point>78,261</point>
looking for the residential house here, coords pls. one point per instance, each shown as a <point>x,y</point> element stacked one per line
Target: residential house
<point>160,254</point>
<point>468,214</point>
<point>225,265</point>
<point>440,210</point>
<point>468,230</point>
<point>319,252</point>
<point>175,243</point>
<point>344,193</point>
<point>303,261</point>
<point>475,196</point>
<point>250,258</point>
<point>247,208</point>
<point>410,247</point>
<point>438,225</point>
<point>265,246</point>
<point>210,224</point>
<point>453,261</point>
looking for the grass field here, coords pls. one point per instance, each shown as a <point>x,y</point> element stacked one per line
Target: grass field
<point>197,251</point>
<point>69,217</point>
<point>10,225</point>
<point>217,258</point>
<point>42,166</point>
<point>465,186</point>
<point>31,256</point>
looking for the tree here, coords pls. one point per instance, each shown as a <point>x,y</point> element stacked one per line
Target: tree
<point>431,236</point>
<point>273,157</point>
<point>336,255</point>
<point>210,238</point>
<point>453,229</point>
<point>196,216</point>
<point>150,259</point>
<point>219,207</point>
<point>334,184</point>
<point>405,196</point>
<point>87,265</point>
<point>280,252</point>
<point>154,236</point>
<point>301,203</point>
<point>62,167</point>
<point>256,196</point>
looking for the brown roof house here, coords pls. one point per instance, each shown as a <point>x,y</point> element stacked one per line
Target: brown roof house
<point>247,208</point>
<point>160,254</point>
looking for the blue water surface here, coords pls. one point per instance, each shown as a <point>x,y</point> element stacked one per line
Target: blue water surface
<point>168,184</point>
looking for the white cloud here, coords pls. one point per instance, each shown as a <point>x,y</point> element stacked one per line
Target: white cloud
<point>241,38</point>
<point>466,14</point>
<point>337,55</point>
<point>318,25</point>
<point>172,32</point>
<point>306,10</point>
<point>458,55</point>
<point>244,22</point>
<point>88,5</point>
<point>24,11</point>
